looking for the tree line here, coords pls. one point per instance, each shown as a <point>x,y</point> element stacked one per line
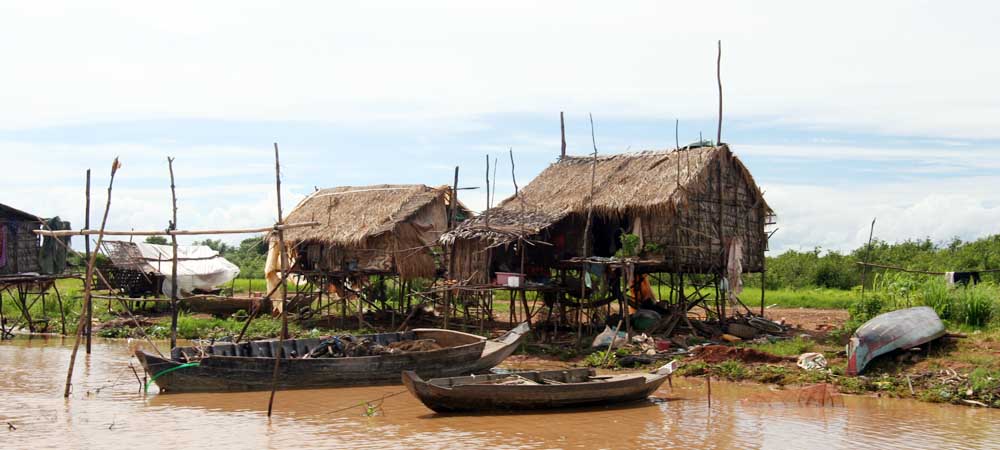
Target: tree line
<point>831,269</point>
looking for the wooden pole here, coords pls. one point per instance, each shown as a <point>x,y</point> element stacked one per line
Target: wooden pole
<point>64,233</point>
<point>486,213</point>
<point>87,282</point>
<point>173,264</point>
<point>520,243</point>
<point>677,139</point>
<point>718,77</point>
<point>562,132</point>
<point>284,286</point>
<point>86,246</point>
<point>718,141</point>
<point>868,251</point>
<point>448,296</point>
<point>586,237</point>
<point>763,272</point>
<point>708,381</point>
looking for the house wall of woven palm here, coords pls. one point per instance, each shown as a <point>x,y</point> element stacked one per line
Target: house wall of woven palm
<point>692,210</point>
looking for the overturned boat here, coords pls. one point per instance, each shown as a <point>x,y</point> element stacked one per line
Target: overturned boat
<point>533,390</point>
<point>309,363</point>
<point>897,330</point>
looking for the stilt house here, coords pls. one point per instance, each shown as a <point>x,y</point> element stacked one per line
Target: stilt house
<point>677,211</point>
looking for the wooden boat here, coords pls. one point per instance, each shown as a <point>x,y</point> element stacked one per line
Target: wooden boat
<point>249,366</point>
<point>533,390</point>
<point>896,330</point>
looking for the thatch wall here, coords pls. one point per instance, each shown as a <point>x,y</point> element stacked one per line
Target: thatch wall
<point>21,243</point>
<point>670,199</point>
<point>381,229</point>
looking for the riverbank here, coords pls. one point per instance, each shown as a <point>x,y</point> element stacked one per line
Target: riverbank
<point>956,370</point>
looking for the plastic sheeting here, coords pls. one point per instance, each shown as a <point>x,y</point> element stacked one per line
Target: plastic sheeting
<point>198,267</point>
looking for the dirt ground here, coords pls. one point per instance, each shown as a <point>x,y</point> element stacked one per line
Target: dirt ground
<point>810,321</point>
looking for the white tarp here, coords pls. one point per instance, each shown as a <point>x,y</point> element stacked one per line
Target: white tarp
<point>198,267</point>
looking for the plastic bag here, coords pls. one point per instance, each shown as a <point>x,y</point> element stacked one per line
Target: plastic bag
<point>604,339</point>
<point>812,361</point>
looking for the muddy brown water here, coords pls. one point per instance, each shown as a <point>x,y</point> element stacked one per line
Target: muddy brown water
<point>107,411</point>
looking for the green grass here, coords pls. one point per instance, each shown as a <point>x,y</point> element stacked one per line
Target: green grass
<point>188,327</point>
<point>786,347</point>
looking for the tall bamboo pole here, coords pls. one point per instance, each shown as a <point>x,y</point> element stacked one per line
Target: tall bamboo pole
<point>521,245</point>
<point>562,132</point>
<point>86,247</point>
<point>284,286</point>
<point>718,78</point>
<point>718,141</point>
<point>451,251</point>
<point>868,251</point>
<point>486,214</point>
<point>173,265</point>
<point>586,237</point>
<point>87,282</point>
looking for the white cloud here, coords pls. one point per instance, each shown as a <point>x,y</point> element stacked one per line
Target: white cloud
<point>839,217</point>
<point>889,67</point>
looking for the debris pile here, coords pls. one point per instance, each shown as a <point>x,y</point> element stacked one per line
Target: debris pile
<point>352,346</point>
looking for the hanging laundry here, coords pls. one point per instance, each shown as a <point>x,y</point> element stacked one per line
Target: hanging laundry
<point>966,278</point>
<point>52,257</point>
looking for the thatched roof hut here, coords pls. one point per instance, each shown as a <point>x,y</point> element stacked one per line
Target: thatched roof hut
<point>21,252</point>
<point>670,200</point>
<point>18,243</point>
<point>380,229</point>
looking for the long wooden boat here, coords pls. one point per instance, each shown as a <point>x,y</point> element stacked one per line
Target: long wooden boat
<point>249,366</point>
<point>533,390</point>
<point>896,330</point>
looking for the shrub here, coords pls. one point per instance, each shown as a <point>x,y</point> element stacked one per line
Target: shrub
<point>975,305</point>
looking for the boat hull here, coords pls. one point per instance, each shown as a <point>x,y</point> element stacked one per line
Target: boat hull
<point>225,373</point>
<point>896,330</point>
<point>436,395</point>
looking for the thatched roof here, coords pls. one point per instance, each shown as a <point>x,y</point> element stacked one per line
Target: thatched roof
<point>8,211</point>
<point>349,215</point>
<point>623,184</point>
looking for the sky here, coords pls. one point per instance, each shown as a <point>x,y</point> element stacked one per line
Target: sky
<point>843,113</point>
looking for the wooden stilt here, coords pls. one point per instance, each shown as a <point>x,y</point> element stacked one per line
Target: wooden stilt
<point>87,284</point>
<point>173,265</point>
<point>86,246</point>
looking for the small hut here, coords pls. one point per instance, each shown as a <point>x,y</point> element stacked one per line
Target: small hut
<point>19,245</point>
<point>680,212</point>
<point>29,266</point>
<point>387,230</point>
<point>22,252</point>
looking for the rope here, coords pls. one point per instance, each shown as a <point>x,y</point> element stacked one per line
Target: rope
<point>382,398</point>
<point>166,371</point>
